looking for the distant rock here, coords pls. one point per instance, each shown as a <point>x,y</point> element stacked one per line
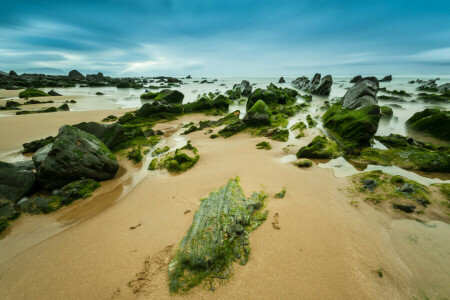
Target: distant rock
<point>16,180</point>
<point>13,73</point>
<point>244,87</point>
<point>316,86</point>
<point>53,93</point>
<point>444,88</point>
<point>74,154</point>
<point>361,94</point>
<point>75,75</point>
<point>188,77</point>
<point>281,80</point>
<point>99,94</point>
<point>356,79</point>
<point>430,85</point>
<point>386,78</point>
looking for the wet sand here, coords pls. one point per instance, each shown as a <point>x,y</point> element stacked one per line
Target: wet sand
<point>325,248</point>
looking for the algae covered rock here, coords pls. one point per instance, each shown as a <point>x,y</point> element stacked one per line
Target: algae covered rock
<point>320,147</point>
<point>218,236</point>
<point>204,103</point>
<point>74,154</point>
<point>158,109</point>
<point>273,96</point>
<point>353,128</point>
<point>37,144</point>
<point>32,92</point>
<point>170,96</point>
<point>183,159</point>
<point>244,88</point>
<point>432,121</point>
<point>16,180</point>
<point>258,115</point>
<point>386,112</point>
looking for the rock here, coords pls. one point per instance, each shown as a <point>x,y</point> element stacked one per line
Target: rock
<point>188,77</point>
<point>37,144</point>
<point>363,93</point>
<point>110,118</point>
<point>386,78</point>
<point>316,86</point>
<point>273,96</point>
<point>353,129</point>
<point>169,96</point>
<point>444,88</point>
<point>63,107</point>
<point>356,79</point>
<point>320,147</point>
<point>75,75</point>
<point>32,92</point>
<point>158,109</point>
<point>429,86</point>
<point>404,207</point>
<point>53,93</point>
<point>99,94</point>
<point>23,203</point>
<point>369,184</point>
<point>6,209</point>
<point>220,102</point>
<point>258,115</point>
<point>16,180</point>
<point>432,121</point>
<point>74,154</point>
<point>386,112</point>
<point>110,134</point>
<point>281,80</point>
<point>244,88</point>
<point>13,73</point>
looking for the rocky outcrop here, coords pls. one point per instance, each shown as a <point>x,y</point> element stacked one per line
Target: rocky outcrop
<point>157,109</point>
<point>363,93</point>
<point>444,88</point>
<point>430,85</point>
<point>53,93</point>
<point>432,121</point>
<point>356,79</point>
<point>169,96</point>
<point>73,155</point>
<point>204,103</point>
<point>75,75</point>
<point>281,80</point>
<point>386,78</point>
<point>16,181</point>
<point>317,86</point>
<point>258,115</point>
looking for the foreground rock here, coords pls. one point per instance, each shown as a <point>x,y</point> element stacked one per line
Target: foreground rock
<point>258,115</point>
<point>16,180</point>
<point>316,86</point>
<point>219,235</point>
<point>432,121</point>
<point>363,93</point>
<point>73,155</point>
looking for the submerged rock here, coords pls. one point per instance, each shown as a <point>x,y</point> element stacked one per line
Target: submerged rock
<point>316,86</point>
<point>363,93</point>
<point>217,237</point>
<point>74,154</point>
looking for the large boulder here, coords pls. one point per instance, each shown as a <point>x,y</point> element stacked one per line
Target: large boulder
<point>16,180</point>
<point>75,75</point>
<point>363,93</point>
<point>317,86</point>
<point>432,121</point>
<point>169,96</point>
<point>73,155</point>
<point>244,88</point>
<point>258,115</point>
<point>110,134</point>
<point>272,96</point>
<point>220,102</point>
<point>158,109</point>
<point>353,129</point>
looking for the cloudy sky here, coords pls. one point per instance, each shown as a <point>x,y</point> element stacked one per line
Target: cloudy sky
<point>208,37</point>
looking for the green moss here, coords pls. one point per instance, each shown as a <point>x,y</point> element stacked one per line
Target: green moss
<point>445,190</point>
<point>4,223</point>
<point>217,237</point>
<point>281,194</point>
<point>190,129</point>
<point>311,121</point>
<point>386,111</point>
<point>304,163</point>
<point>432,121</point>
<point>153,164</point>
<point>263,145</point>
<point>160,151</point>
<point>214,136</point>
<point>136,155</point>
<point>281,135</point>
<point>110,118</point>
<point>32,92</point>
<point>279,120</point>
<point>320,147</point>
<point>299,126</point>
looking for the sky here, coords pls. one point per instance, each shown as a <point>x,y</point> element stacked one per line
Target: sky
<point>228,38</point>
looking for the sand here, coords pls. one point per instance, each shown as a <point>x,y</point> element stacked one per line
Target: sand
<point>324,248</point>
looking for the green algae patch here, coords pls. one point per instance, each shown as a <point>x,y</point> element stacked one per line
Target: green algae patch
<point>183,159</point>
<point>281,194</point>
<point>304,163</point>
<point>320,147</point>
<point>160,151</point>
<point>299,126</point>
<point>432,121</point>
<point>263,145</point>
<point>218,236</point>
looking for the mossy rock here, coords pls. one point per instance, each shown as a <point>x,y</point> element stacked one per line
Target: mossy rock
<point>263,145</point>
<point>258,115</point>
<point>432,121</point>
<point>304,163</point>
<point>320,147</point>
<point>299,126</point>
<point>205,104</point>
<point>311,122</point>
<point>386,112</point>
<point>281,135</point>
<point>32,92</point>
<point>4,223</point>
<point>160,151</point>
<point>136,155</point>
<point>169,96</point>
<point>218,236</point>
<point>353,128</point>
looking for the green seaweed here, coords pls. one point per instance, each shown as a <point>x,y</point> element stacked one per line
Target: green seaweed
<point>263,145</point>
<point>320,147</point>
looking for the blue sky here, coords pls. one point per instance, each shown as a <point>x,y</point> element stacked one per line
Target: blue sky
<point>246,37</point>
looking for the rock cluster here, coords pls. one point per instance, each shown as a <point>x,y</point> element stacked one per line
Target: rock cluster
<point>316,86</point>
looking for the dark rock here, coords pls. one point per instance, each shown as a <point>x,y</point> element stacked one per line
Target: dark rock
<point>281,80</point>
<point>444,88</point>
<point>158,109</point>
<point>404,207</point>
<point>16,180</point>
<point>244,88</point>
<point>75,75</point>
<point>169,96</point>
<point>356,79</point>
<point>53,93</point>
<point>369,184</point>
<point>430,85</point>
<point>74,154</point>
<point>432,121</point>
<point>110,134</point>
<point>37,144</point>
<point>99,94</point>
<point>363,93</point>
<point>63,107</point>
<point>386,78</point>
<point>188,77</point>
<point>6,209</point>
<point>220,102</point>
<point>258,115</point>
<point>13,73</point>
<point>316,86</point>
